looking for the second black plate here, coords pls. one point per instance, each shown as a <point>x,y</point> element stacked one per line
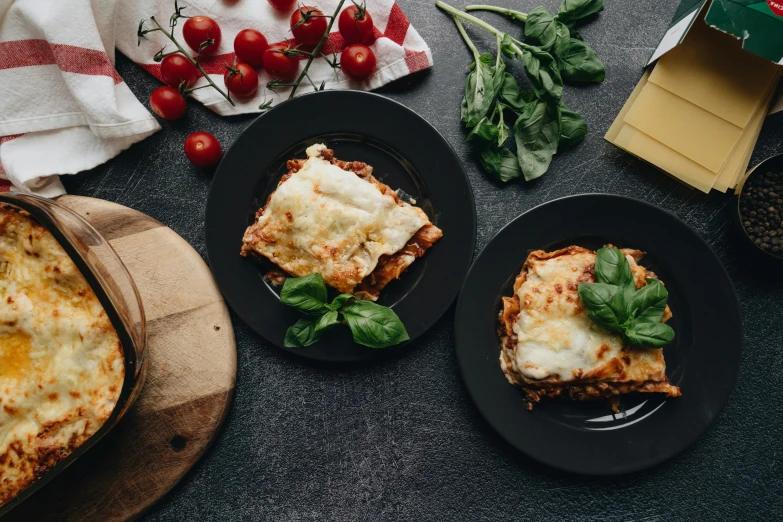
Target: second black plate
<point>406,152</point>
<point>585,437</point>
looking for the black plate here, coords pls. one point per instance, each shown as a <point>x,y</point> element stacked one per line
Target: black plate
<point>406,152</point>
<point>585,437</point>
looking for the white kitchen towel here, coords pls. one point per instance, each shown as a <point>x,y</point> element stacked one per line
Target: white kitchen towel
<point>63,107</point>
<point>398,48</point>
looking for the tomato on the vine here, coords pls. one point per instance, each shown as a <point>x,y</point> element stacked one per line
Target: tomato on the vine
<point>282,5</point>
<point>278,63</point>
<point>203,149</point>
<point>198,30</point>
<point>168,103</point>
<point>249,46</point>
<point>308,25</point>
<point>355,24</point>
<point>241,79</point>
<point>177,69</point>
<point>357,61</point>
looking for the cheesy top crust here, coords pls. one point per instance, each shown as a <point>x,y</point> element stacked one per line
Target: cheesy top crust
<point>548,340</point>
<point>61,361</point>
<point>328,220</point>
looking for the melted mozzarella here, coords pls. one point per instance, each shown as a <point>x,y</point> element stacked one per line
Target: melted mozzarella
<point>61,362</point>
<point>557,341</point>
<point>331,221</point>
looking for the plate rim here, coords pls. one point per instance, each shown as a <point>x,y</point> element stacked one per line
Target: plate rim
<point>643,465</point>
<point>372,354</point>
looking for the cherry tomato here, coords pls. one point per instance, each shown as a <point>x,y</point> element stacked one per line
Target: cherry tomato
<point>282,5</point>
<point>308,25</point>
<point>168,103</point>
<point>242,81</point>
<point>176,69</point>
<point>199,29</point>
<point>355,25</point>
<point>249,46</point>
<point>203,149</point>
<point>278,64</point>
<point>357,61</point>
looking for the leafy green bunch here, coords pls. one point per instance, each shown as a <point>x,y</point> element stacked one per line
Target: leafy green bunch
<point>495,107</point>
<point>371,324</point>
<point>614,303</point>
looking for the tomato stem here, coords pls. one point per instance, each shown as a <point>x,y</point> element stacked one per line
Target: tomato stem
<point>317,48</point>
<point>170,36</point>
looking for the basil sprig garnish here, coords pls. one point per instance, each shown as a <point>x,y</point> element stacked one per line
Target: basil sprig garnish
<point>371,324</point>
<point>499,115</point>
<point>614,303</point>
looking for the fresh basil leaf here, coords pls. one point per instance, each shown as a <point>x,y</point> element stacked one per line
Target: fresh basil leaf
<point>579,63</point>
<point>501,125</point>
<point>302,333</point>
<point>649,302</point>
<point>573,128</point>
<point>484,130</point>
<point>536,138</point>
<point>572,11</point>
<point>612,268</point>
<point>514,97</point>
<point>339,301</point>
<point>600,300</point>
<point>543,73</point>
<point>374,325</point>
<point>641,333</point>
<point>478,92</point>
<point>326,321</point>
<point>499,162</point>
<point>507,47</point>
<point>307,293</point>
<point>540,28</point>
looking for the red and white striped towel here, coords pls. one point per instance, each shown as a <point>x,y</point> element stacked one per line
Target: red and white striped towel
<point>398,47</point>
<point>64,108</point>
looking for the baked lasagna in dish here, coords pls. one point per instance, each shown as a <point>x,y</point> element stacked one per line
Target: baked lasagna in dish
<point>334,218</point>
<point>61,362</point>
<point>549,345</point>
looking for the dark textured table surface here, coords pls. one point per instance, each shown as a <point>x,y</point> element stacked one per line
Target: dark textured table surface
<point>401,439</point>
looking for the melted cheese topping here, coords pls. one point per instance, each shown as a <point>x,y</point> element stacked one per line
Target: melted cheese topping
<point>556,341</point>
<point>331,221</point>
<point>61,362</point>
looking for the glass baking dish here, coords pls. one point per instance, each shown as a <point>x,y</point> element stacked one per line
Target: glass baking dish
<point>117,293</point>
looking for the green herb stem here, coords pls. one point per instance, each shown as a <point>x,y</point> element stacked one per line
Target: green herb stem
<point>519,15</point>
<point>170,36</point>
<point>316,49</point>
<point>516,46</point>
<point>467,39</point>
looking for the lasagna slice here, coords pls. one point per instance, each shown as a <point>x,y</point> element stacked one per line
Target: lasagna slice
<point>550,347</point>
<point>334,218</point>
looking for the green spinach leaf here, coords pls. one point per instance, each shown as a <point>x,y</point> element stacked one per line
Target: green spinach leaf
<point>307,294</point>
<point>374,325</point>
<point>537,138</point>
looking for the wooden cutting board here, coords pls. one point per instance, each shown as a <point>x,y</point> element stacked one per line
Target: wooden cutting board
<point>191,372</point>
